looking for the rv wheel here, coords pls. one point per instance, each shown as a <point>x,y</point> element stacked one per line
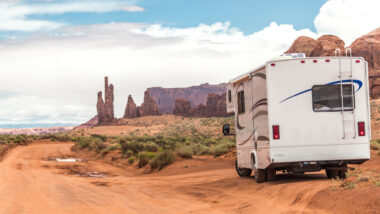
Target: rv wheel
<point>241,171</point>
<point>260,175</point>
<point>342,173</point>
<point>332,173</point>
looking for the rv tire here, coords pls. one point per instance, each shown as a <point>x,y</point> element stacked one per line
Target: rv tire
<point>260,175</point>
<point>330,173</point>
<point>241,171</point>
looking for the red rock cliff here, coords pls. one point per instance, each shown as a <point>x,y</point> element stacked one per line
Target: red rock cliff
<point>165,97</point>
<point>368,46</point>
<point>105,108</point>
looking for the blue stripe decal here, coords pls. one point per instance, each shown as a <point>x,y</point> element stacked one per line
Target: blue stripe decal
<point>360,84</point>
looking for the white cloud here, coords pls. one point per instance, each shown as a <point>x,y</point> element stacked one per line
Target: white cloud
<point>133,9</point>
<point>348,19</point>
<point>69,65</point>
<point>13,15</point>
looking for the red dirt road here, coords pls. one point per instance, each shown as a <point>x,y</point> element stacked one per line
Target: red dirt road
<point>31,183</point>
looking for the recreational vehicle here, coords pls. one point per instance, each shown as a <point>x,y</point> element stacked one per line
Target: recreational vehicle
<point>301,114</point>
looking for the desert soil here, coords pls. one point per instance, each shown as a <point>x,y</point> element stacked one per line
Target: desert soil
<point>31,181</point>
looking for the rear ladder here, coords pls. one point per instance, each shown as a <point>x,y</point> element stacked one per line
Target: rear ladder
<point>348,117</point>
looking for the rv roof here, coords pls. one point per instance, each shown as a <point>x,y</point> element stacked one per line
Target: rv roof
<point>276,59</point>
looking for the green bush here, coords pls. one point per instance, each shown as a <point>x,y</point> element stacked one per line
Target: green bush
<point>101,137</point>
<point>129,153</point>
<point>185,152</point>
<point>143,159</point>
<point>222,148</point>
<point>131,160</point>
<point>150,155</point>
<point>200,149</point>
<point>162,159</point>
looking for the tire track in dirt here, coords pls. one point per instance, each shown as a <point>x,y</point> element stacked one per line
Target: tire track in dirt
<point>31,183</point>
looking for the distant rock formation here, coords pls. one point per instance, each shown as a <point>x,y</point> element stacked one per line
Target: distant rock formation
<point>105,108</point>
<point>368,46</point>
<point>92,122</point>
<point>323,46</point>
<point>148,107</point>
<point>130,109</point>
<point>165,97</point>
<point>35,131</point>
<point>215,107</point>
<point>182,107</point>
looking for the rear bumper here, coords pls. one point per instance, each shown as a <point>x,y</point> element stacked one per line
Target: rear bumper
<point>349,153</point>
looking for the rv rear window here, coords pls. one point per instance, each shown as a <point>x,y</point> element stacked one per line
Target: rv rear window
<point>328,98</point>
<point>241,103</point>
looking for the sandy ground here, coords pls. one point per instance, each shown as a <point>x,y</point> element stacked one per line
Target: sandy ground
<point>32,182</point>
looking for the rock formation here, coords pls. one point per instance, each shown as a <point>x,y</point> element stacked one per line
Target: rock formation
<point>215,107</point>
<point>326,46</point>
<point>148,107</point>
<point>165,97</point>
<point>105,108</point>
<point>323,46</point>
<point>182,107</point>
<point>303,44</point>
<point>130,109</point>
<point>368,46</point>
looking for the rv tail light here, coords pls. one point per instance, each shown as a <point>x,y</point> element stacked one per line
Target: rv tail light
<point>315,61</point>
<point>302,61</point>
<point>357,61</point>
<point>327,60</point>
<point>273,64</point>
<point>276,132</point>
<point>361,129</point>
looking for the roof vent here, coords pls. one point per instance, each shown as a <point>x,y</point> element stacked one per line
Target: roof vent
<point>295,55</point>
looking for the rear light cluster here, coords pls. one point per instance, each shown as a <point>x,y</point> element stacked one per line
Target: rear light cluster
<point>361,129</point>
<point>327,60</point>
<point>276,132</point>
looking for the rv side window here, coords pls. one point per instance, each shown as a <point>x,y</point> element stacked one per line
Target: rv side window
<point>241,104</point>
<point>229,96</point>
<point>328,98</point>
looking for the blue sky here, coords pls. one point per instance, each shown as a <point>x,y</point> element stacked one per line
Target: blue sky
<point>54,54</point>
<point>247,15</point>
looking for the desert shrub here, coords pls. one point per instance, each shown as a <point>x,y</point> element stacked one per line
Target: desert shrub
<point>200,149</point>
<point>162,159</point>
<point>185,152</point>
<point>143,159</point>
<point>222,148</point>
<point>129,153</point>
<point>129,145</point>
<point>101,137</point>
<point>99,145</point>
<point>131,160</point>
<point>375,145</point>
<point>57,137</point>
<point>150,155</point>
<point>90,143</point>
<point>150,146</point>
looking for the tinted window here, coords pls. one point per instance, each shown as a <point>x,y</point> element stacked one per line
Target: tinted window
<point>328,97</point>
<point>229,96</point>
<point>241,104</point>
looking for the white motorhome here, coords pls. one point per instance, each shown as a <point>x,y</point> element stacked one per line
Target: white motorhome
<point>301,114</point>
